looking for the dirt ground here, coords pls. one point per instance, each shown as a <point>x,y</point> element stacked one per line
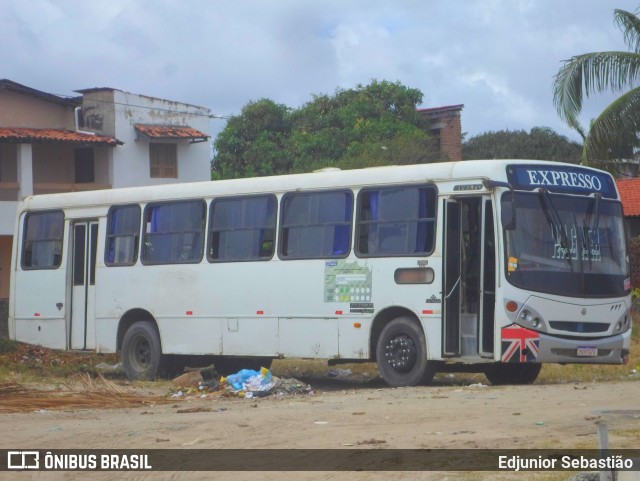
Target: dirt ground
<point>341,414</point>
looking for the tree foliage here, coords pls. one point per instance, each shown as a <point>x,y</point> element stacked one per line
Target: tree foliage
<point>613,135</point>
<point>541,143</point>
<point>376,124</point>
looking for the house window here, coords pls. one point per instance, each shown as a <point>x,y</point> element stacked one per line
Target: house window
<point>84,169</point>
<point>163,160</point>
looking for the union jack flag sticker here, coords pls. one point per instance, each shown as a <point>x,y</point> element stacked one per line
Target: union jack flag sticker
<point>519,344</point>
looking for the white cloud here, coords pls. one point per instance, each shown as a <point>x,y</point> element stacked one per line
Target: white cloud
<point>498,57</point>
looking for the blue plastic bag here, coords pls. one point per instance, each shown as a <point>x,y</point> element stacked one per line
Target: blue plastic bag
<point>239,378</point>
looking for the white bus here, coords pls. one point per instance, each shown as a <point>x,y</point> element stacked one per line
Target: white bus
<point>489,266</point>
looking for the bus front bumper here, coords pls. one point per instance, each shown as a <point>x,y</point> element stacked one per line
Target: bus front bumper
<point>608,350</point>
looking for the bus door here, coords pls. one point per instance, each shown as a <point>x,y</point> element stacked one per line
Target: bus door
<point>469,277</point>
<point>83,279</point>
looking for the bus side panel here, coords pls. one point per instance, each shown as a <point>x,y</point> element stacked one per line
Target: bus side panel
<point>238,332</point>
<point>40,307</point>
<point>304,337</point>
<point>354,337</point>
<point>190,335</point>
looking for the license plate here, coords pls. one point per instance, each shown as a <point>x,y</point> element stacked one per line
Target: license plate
<point>587,351</point>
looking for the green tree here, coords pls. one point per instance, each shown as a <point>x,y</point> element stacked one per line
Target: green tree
<point>541,143</point>
<point>613,135</point>
<point>252,143</point>
<point>376,124</point>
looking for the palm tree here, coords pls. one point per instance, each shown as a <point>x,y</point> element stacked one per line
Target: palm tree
<point>613,135</point>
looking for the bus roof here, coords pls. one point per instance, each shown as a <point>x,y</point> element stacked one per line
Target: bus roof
<point>323,179</point>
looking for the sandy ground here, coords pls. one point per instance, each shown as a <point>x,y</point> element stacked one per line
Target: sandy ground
<point>340,415</point>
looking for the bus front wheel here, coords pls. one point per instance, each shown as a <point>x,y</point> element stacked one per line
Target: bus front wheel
<point>402,354</point>
<point>142,352</point>
<point>519,373</point>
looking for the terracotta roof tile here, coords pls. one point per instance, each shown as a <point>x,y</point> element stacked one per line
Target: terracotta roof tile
<point>171,132</point>
<point>630,194</point>
<point>26,135</point>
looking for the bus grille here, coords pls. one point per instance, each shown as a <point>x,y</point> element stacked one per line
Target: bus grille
<point>586,327</point>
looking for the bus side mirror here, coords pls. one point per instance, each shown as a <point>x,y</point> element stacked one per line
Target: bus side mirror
<point>508,216</point>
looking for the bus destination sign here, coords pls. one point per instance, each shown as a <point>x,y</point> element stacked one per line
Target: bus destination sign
<point>573,180</point>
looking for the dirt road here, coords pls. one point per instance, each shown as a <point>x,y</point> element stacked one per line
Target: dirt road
<point>340,415</point>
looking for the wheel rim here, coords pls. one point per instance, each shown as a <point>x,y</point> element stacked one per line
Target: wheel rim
<point>401,353</point>
<point>141,353</point>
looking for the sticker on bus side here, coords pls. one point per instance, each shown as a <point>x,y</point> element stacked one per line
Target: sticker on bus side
<point>361,308</point>
<point>347,281</point>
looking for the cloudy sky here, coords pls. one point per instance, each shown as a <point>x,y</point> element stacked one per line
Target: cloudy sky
<point>497,57</point>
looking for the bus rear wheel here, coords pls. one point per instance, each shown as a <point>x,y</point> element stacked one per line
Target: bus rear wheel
<point>142,352</point>
<point>402,354</point>
<point>520,373</point>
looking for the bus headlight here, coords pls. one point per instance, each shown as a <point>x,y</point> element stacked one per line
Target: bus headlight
<point>525,315</point>
<point>529,317</point>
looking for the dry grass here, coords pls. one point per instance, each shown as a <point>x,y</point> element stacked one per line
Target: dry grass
<point>95,393</point>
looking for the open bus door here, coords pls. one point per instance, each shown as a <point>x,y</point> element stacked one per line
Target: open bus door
<point>469,277</point>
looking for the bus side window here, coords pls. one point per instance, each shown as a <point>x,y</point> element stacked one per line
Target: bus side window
<point>396,221</point>
<point>242,229</point>
<point>316,225</point>
<point>42,240</point>
<point>174,232</point>
<point>123,233</point>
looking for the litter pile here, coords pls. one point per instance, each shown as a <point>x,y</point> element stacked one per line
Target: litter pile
<point>246,383</point>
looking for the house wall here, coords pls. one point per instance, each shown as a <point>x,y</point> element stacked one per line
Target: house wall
<point>19,110</point>
<point>115,113</point>
<point>451,138</point>
<point>446,125</point>
<point>53,162</point>
<point>8,167</point>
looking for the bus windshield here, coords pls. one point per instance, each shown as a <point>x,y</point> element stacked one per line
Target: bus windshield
<point>567,245</point>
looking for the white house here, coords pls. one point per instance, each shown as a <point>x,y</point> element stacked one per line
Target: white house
<point>104,138</point>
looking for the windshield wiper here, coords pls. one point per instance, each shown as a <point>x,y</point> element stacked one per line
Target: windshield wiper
<point>596,215</point>
<point>591,226</point>
<point>553,217</point>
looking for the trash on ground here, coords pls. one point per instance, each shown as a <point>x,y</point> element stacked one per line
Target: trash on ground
<point>187,378</point>
<point>339,373</point>
<point>479,384</point>
<point>245,383</point>
<point>105,366</point>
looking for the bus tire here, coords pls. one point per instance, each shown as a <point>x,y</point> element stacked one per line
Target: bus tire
<point>520,373</point>
<point>141,355</point>
<point>401,353</point>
